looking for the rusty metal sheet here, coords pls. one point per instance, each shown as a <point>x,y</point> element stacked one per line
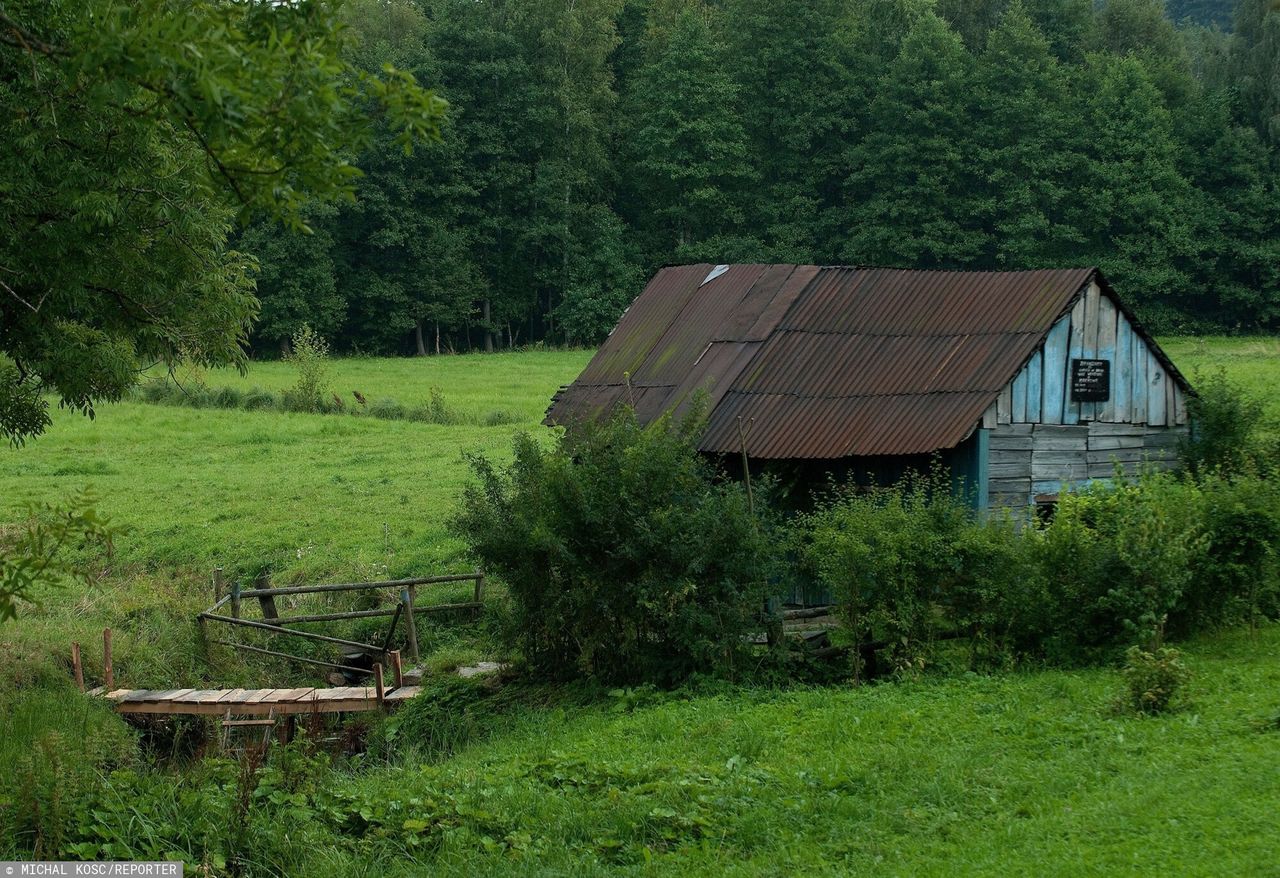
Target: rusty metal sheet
<point>825,362</point>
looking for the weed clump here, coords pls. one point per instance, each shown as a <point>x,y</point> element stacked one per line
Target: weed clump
<point>1153,679</point>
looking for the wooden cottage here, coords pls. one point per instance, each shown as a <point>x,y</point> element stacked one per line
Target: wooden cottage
<point>1022,381</point>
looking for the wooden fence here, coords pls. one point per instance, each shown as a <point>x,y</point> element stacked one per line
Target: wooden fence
<point>229,605</point>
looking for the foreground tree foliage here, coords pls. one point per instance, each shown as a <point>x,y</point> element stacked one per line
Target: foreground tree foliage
<point>626,558</point>
<point>133,136</point>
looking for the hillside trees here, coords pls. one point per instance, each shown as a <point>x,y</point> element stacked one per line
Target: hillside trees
<point>683,139</point>
<point>592,142</point>
<point>912,188</point>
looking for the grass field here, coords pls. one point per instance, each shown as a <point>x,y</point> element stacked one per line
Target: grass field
<point>1018,773</point>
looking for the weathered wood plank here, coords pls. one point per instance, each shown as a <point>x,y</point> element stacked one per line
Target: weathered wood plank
<point>1089,341</point>
<point>1010,443</point>
<point>1071,410</point>
<point>1120,455</point>
<point>1155,391</point>
<point>1054,486</point>
<point>1055,371</point>
<point>1106,350</point>
<point>1035,387</point>
<point>1179,407</point>
<point>1012,430</point>
<point>1004,405</point>
<point>1100,429</point>
<point>1006,455</point>
<point>1123,377</point>
<point>1018,392</point>
<point>989,420</point>
<point>1167,438</point>
<point>1138,402</point>
<point>1014,470</point>
<point>1010,486</point>
<point>1107,444</point>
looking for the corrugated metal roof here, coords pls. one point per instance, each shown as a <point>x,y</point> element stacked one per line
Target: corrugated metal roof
<point>826,362</point>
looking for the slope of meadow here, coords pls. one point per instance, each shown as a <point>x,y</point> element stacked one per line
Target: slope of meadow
<point>1025,772</point>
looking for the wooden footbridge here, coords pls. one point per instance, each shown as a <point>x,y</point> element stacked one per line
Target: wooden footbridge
<point>252,704</point>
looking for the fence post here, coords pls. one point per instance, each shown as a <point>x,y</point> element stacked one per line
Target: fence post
<point>217,584</point>
<point>108,672</point>
<point>377,682</point>
<point>235,598</point>
<point>411,627</point>
<point>479,585</point>
<point>397,669</point>
<point>76,666</point>
<point>266,601</point>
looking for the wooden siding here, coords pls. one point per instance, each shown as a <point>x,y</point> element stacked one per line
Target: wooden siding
<point>1095,329</point>
<point>1027,461</point>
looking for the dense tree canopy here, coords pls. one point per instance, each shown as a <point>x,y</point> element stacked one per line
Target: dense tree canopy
<point>593,142</point>
<point>132,136</point>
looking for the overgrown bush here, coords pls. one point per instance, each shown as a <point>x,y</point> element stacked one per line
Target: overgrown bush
<point>387,409</point>
<point>258,399</point>
<point>1153,679</point>
<point>1235,576</point>
<point>909,563</point>
<point>1224,427</point>
<point>309,354</point>
<point>1116,561</point>
<point>627,559</point>
<point>1119,564</point>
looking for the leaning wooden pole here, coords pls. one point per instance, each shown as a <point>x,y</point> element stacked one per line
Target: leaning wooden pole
<point>397,669</point>
<point>410,625</point>
<point>377,683</point>
<point>108,672</point>
<point>76,666</point>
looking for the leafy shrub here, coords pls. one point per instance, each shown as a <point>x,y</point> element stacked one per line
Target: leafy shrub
<point>909,563</point>
<point>435,411</point>
<point>1153,679</point>
<point>1225,421</point>
<point>1116,561</point>
<point>156,390</point>
<point>626,559</point>
<point>228,397</point>
<point>387,409</point>
<point>258,399</point>
<point>1234,576</point>
<point>309,354</point>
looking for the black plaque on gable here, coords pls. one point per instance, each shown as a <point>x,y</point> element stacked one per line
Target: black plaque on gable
<point>1090,380</point>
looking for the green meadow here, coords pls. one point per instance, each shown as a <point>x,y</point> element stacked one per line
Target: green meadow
<point>1028,772</point>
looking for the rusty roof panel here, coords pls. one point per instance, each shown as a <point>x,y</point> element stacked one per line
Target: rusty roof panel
<point>644,324</point>
<point>824,362</point>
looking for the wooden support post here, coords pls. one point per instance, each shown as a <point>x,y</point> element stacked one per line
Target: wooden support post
<point>397,669</point>
<point>479,585</point>
<point>410,626</point>
<point>108,672</point>
<point>377,682</point>
<point>218,584</point>
<point>266,601</point>
<point>235,599</point>
<point>76,667</point>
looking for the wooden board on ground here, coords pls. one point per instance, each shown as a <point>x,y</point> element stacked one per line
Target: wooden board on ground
<point>248,702</point>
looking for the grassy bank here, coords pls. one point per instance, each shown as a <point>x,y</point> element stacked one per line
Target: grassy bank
<point>1026,772</point>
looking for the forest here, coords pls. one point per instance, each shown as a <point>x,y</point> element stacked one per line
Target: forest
<point>589,143</point>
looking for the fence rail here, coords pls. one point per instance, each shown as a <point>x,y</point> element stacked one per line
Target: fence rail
<point>406,606</point>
